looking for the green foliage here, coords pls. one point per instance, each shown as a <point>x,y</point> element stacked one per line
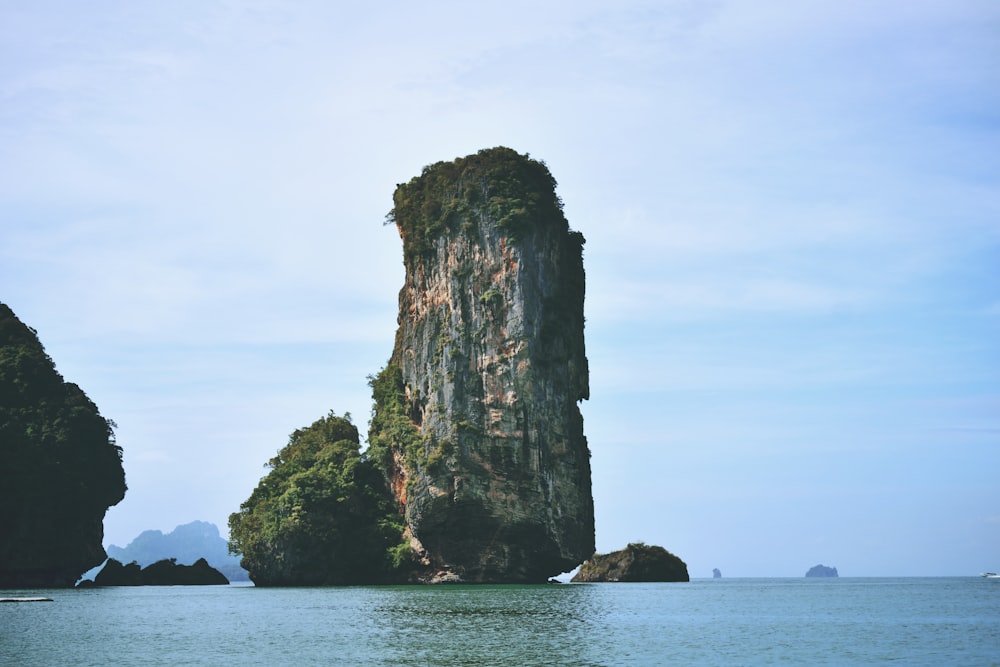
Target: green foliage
<point>510,190</point>
<point>322,516</point>
<point>391,427</point>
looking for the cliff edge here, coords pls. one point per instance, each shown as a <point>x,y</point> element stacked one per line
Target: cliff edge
<point>476,420</point>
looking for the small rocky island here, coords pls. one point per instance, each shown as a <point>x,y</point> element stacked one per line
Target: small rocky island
<point>61,470</point>
<point>636,562</point>
<point>822,571</point>
<point>161,573</point>
<point>477,468</point>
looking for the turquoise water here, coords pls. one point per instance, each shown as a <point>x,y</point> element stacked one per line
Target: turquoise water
<point>913,621</point>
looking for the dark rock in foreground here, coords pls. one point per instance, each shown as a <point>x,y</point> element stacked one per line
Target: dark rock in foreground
<point>61,468</point>
<point>161,573</point>
<point>822,571</point>
<point>636,562</point>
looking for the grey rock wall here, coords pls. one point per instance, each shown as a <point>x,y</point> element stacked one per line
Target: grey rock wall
<point>491,350</point>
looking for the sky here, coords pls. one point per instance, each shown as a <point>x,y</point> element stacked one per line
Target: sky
<point>792,214</point>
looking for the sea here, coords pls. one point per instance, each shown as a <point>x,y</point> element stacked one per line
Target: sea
<point>842,621</point>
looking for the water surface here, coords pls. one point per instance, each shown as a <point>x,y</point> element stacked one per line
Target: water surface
<point>913,621</point>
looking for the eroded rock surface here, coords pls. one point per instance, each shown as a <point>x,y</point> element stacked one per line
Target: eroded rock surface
<point>476,420</point>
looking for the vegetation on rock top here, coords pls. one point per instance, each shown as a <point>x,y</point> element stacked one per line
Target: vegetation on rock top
<point>497,184</point>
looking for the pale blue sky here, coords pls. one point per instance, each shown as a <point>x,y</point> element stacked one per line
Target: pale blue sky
<point>792,213</point>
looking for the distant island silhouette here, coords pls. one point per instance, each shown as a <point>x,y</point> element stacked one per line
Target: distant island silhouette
<point>166,572</point>
<point>185,544</point>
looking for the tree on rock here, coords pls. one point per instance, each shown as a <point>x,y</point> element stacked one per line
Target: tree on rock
<point>323,515</point>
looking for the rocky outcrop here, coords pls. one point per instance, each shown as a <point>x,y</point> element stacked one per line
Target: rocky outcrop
<point>165,572</point>
<point>636,562</point>
<point>476,420</point>
<point>822,571</point>
<point>60,470</point>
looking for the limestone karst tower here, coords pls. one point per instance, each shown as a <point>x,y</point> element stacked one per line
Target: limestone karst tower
<point>476,417</point>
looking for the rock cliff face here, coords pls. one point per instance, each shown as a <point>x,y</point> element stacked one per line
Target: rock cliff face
<point>60,468</point>
<point>476,417</point>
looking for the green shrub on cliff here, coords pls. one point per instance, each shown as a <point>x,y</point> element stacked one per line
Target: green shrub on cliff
<point>60,468</point>
<point>322,515</point>
<point>391,426</point>
<point>498,184</point>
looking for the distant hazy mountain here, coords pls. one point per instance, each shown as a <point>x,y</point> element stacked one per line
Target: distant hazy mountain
<point>187,543</point>
<point>822,571</point>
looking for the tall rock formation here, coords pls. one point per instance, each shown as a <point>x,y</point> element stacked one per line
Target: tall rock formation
<point>476,418</point>
<point>60,468</point>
